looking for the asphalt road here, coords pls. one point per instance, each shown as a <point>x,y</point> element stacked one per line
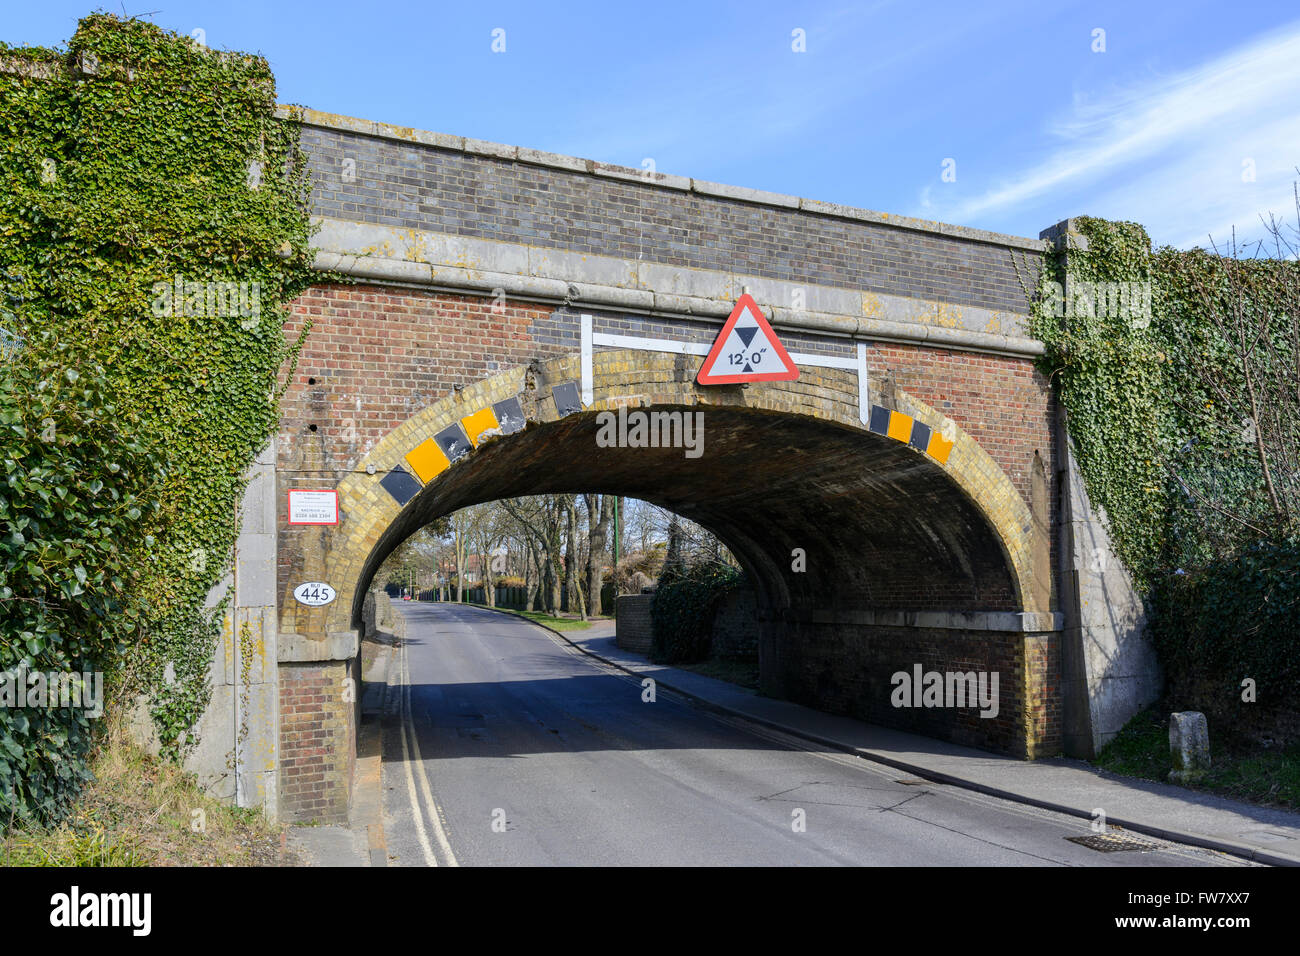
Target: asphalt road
<point>511,748</point>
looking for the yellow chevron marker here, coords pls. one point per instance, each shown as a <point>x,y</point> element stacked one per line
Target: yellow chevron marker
<point>940,448</point>
<point>427,460</point>
<point>482,420</point>
<point>900,426</point>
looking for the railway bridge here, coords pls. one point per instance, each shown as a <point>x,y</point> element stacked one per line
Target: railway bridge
<point>481,305</point>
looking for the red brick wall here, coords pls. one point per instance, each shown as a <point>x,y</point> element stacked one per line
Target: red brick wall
<point>1003,403</point>
<point>317,742</point>
<point>1043,717</point>
<point>397,350</point>
<point>847,669</point>
<point>635,627</point>
<point>379,355</point>
<point>376,356</point>
<point>373,358</point>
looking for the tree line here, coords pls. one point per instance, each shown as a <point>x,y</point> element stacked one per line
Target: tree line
<point>567,551</point>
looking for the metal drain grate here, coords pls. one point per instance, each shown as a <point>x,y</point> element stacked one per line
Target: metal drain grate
<point>912,782</point>
<point>1113,842</point>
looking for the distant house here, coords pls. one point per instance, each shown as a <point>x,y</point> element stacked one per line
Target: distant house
<point>473,568</point>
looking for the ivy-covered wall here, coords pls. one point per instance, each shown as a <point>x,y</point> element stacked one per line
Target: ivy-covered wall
<point>153,230</point>
<point>1178,372</point>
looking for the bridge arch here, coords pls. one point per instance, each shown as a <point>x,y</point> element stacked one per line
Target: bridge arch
<point>783,465</point>
<point>919,552</point>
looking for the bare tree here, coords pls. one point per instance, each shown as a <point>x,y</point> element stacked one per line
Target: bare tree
<point>597,531</point>
<point>483,532</point>
<point>540,518</point>
<point>1245,409</point>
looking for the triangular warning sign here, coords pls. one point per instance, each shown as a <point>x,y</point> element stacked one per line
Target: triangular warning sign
<point>747,350</point>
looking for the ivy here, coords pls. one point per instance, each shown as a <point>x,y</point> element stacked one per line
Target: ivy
<point>135,159</point>
<point>683,607</point>
<point>74,477</point>
<point>1164,405</point>
<point>1109,373</point>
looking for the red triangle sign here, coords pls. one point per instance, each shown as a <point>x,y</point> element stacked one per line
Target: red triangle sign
<point>747,350</point>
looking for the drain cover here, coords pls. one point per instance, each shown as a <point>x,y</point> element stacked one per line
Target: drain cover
<point>1113,842</point>
<point>912,782</point>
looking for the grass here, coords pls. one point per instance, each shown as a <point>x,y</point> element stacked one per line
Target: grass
<point>557,623</point>
<point>1266,776</point>
<point>141,811</point>
<point>739,671</point>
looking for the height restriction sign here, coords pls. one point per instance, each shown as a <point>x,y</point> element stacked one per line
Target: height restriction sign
<point>747,350</point>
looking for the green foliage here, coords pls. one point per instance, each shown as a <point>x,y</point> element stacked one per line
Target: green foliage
<point>79,850</point>
<point>1156,409</point>
<point>76,483</point>
<point>682,610</point>
<point>1235,618</point>
<point>1210,408</point>
<point>1109,374</point>
<point>128,161</point>
<point>1269,776</point>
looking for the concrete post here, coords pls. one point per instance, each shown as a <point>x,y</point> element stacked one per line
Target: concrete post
<point>1189,746</point>
<point>237,753</point>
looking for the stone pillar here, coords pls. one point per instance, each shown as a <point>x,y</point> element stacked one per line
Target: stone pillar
<point>1189,746</point>
<point>1109,670</point>
<point>237,753</point>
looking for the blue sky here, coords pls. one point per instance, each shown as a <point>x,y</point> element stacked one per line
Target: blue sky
<point>1188,122</point>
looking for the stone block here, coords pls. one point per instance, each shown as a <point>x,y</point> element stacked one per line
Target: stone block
<point>255,571</point>
<point>1189,746</point>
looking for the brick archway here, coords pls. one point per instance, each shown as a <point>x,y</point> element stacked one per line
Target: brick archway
<point>919,550</point>
<point>373,521</point>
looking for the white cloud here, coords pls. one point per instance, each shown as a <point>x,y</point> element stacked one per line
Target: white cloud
<point>1168,152</point>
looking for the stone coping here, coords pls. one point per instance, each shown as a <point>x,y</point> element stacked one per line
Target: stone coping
<point>337,646</point>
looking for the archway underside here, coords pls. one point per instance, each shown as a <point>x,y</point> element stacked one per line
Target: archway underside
<point>880,527</point>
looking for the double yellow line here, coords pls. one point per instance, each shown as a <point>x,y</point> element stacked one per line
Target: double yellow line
<point>436,819</point>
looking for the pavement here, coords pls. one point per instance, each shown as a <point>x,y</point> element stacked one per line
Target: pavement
<point>1062,784</point>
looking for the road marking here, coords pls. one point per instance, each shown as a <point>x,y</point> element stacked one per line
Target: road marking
<point>435,811</point>
<point>429,858</point>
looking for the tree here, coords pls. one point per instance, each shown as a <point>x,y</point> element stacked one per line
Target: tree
<point>597,530</point>
<point>483,532</point>
<point>540,518</point>
<point>572,586</point>
<point>1237,358</point>
<point>416,559</point>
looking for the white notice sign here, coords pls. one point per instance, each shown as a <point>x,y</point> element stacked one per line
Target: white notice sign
<point>313,507</point>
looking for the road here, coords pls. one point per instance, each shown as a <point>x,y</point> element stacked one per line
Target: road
<point>511,748</point>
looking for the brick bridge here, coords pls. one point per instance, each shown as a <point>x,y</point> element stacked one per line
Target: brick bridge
<point>918,461</point>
